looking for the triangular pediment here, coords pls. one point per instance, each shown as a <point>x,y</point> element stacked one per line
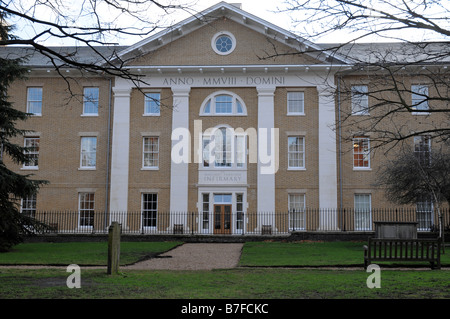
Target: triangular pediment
<point>258,42</point>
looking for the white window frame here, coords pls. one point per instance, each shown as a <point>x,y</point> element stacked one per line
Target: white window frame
<point>32,101</point>
<point>363,215</point>
<point>95,101</point>
<point>360,99</point>
<point>240,213</point>
<point>154,152</point>
<point>85,154</point>
<point>291,100</point>
<point>233,201</point>
<point>34,153</point>
<point>365,153</point>
<point>152,99</point>
<point>217,36</point>
<point>205,212</point>
<point>153,211</point>
<point>422,146</point>
<point>211,103</point>
<point>28,205</point>
<point>297,208</point>
<point>234,150</point>
<point>83,210</point>
<point>418,101</point>
<point>425,213</point>
<point>300,153</point>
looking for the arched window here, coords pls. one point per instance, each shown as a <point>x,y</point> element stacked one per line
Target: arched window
<point>223,103</point>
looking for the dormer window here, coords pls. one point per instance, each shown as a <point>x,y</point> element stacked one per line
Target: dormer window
<point>223,104</point>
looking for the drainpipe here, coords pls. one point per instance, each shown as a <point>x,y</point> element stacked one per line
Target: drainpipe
<point>340,148</point>
<point>108,154</point>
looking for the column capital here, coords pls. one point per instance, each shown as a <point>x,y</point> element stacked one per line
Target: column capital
<point>181,91</point>
<point>121,91</point>
<point>266,90</point>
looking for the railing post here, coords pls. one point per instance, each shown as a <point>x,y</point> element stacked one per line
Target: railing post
<point>344,220</point>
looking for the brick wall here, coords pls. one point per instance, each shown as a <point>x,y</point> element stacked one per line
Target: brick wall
<point>60,129</point>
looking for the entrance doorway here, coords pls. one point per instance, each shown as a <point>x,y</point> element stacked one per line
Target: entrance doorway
<point>222,219</point>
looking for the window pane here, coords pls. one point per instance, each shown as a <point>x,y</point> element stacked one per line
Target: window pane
<point>419,97</point>
<point>207,157</point>
<point>424,210</point>
<point>239,108</point>
<point>34,100</point>
<point>151,152</point>
<point>222,198</point>
<point>224,104</point>
<point>91,97</point>
<point>297,211</point>
<point>240,151</point>
<point>86,208</point>
<point>296,102</point>
<point>149,210</point>
<point>422,149</point>
<point>205,213</point>
<point>152,103</point>
<point>224,43</point>
<point>29,206</point>
<point>222,148</point>
<point>363,212</point>
<point>88,151</point>
<point>360,99</point>
<point>361,152</point>
<point>296,152</point>
<point>208,107</point>
<point>32,151</point>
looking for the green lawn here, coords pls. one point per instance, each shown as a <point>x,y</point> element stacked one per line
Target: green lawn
<point>307,253</point>
<point>80,253</point>
<point>302,254</point>
<point>255,283</point>
<point>245,282</point>
<point>254,254</point>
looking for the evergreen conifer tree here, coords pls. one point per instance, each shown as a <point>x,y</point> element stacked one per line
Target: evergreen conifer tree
<point>13,186</point>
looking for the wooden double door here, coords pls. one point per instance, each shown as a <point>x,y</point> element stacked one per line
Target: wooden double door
<point>222,219</point>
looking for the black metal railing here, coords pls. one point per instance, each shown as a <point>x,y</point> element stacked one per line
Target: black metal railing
<point>242,223</point>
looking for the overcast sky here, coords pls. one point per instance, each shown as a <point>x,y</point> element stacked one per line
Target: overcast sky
<point>264,9</point>
<point>269,10</point>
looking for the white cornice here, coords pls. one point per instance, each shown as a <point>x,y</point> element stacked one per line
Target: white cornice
<point>224,69</point>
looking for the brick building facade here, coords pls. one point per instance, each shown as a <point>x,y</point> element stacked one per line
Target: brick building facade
<point>213,128</point>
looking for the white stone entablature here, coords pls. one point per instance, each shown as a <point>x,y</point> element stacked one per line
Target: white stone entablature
<point>265,85</point>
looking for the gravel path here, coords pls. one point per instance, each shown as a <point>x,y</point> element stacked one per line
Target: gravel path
<point>194,257</point>
<point>184,257</point>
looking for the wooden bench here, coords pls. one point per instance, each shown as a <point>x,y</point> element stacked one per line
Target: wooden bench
<point>384,249</point>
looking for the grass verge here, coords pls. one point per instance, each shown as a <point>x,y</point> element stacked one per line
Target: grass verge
<point>305,253</point>
<point>259,282</point>
<point>224,284</point>
<point>81,253</point>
